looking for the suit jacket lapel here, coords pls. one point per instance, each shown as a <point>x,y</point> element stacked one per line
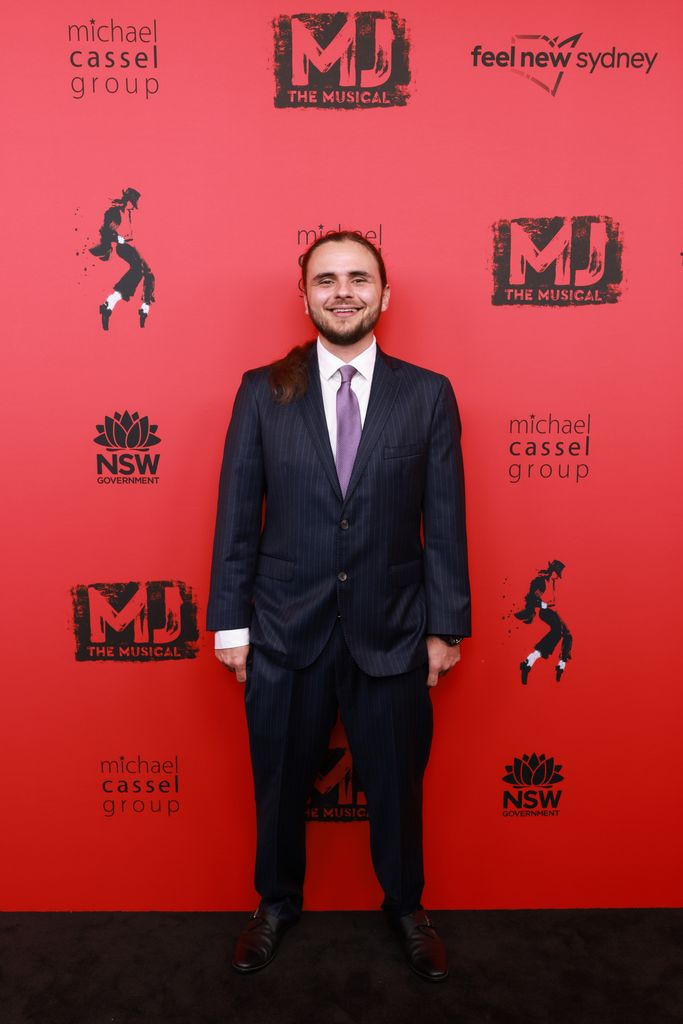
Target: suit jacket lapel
<point>385,385</point>
<point>313,413</point>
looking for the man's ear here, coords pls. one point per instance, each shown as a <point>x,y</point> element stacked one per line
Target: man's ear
<point>386,295</point>
<point>305,303</point>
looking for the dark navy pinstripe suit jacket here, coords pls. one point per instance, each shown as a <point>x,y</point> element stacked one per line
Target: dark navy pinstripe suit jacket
<point>318,556</point>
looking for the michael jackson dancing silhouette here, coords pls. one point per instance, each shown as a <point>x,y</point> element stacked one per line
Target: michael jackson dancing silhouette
<point>111,234</point>
<point>535,601</point>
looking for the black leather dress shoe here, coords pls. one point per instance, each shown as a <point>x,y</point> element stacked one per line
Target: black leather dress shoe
<point>143,317</point>
<point>425,950</point>
<point>105,313</point>
<point>257,944</point>
<point>525,669</point>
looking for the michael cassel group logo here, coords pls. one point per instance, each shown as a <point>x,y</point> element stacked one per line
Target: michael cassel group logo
<point>343,60</point>
<point>108,57</point>
<point>153,621</point>
<point>533,778</point>
<point>548,447</point>
<point>544,59</point>
<point>557,261</point>
<point>137,785</point>
<point>127,439</point>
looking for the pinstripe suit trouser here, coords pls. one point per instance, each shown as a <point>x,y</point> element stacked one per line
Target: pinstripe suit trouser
<point>388,723</point>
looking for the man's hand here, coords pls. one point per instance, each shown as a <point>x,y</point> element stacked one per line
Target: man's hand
<point>441,658</point>
<point>235,658</point>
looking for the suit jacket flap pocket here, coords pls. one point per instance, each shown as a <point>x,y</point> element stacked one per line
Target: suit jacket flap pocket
<point>274,568</point>
<point>403,451</point>
<point>406,573</point>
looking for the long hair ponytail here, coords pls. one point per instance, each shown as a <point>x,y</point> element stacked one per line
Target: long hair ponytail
<point>288,377</point>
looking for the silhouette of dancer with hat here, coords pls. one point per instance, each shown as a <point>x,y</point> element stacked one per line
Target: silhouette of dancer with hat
<point>139,270</point>
<point>557,632</point>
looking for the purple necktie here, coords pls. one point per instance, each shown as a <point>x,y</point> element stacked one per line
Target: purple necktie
<point>348,427</point>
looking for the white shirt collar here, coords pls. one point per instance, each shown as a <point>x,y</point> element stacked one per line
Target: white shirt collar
<point>364,363</point>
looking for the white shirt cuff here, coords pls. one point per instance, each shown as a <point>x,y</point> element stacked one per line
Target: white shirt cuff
<point>230,638</point>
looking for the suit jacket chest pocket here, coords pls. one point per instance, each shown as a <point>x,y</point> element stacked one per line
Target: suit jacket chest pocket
<point>405,451</point>
<point>404,468</point>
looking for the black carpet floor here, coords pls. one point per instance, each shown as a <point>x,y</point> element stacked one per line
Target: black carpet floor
<point>507,967</point>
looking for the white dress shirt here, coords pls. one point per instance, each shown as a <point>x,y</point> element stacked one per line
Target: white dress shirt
<point>330,381</point>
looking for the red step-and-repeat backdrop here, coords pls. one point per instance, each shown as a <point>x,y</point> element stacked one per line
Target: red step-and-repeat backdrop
<point>519,166</point>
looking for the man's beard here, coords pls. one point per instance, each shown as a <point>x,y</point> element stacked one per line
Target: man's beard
<point>337,335</point>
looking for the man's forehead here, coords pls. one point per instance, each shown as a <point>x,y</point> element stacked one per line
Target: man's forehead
<point>347,255</point>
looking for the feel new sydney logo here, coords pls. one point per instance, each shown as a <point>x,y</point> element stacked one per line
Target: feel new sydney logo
<point>544,60</point>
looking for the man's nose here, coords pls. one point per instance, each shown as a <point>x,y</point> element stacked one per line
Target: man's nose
<point>344,288</point>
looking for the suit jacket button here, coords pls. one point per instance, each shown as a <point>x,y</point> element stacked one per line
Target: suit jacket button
<point>342,577</point>
<point>344,524</point>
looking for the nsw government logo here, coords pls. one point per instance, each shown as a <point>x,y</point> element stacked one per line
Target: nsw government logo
<point>556,261</point>
<point>533,778</point>
<point>127,438</point>
<point>342,60</point>
<point>153,621</point>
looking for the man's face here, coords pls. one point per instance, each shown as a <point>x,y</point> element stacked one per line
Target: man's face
<point>343,292</point>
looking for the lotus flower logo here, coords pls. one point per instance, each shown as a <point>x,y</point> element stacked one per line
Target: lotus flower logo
<point>126,431</point>
<point>533,770</point>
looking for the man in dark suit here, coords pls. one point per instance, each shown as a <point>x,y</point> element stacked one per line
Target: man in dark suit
<point>324,595</point>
